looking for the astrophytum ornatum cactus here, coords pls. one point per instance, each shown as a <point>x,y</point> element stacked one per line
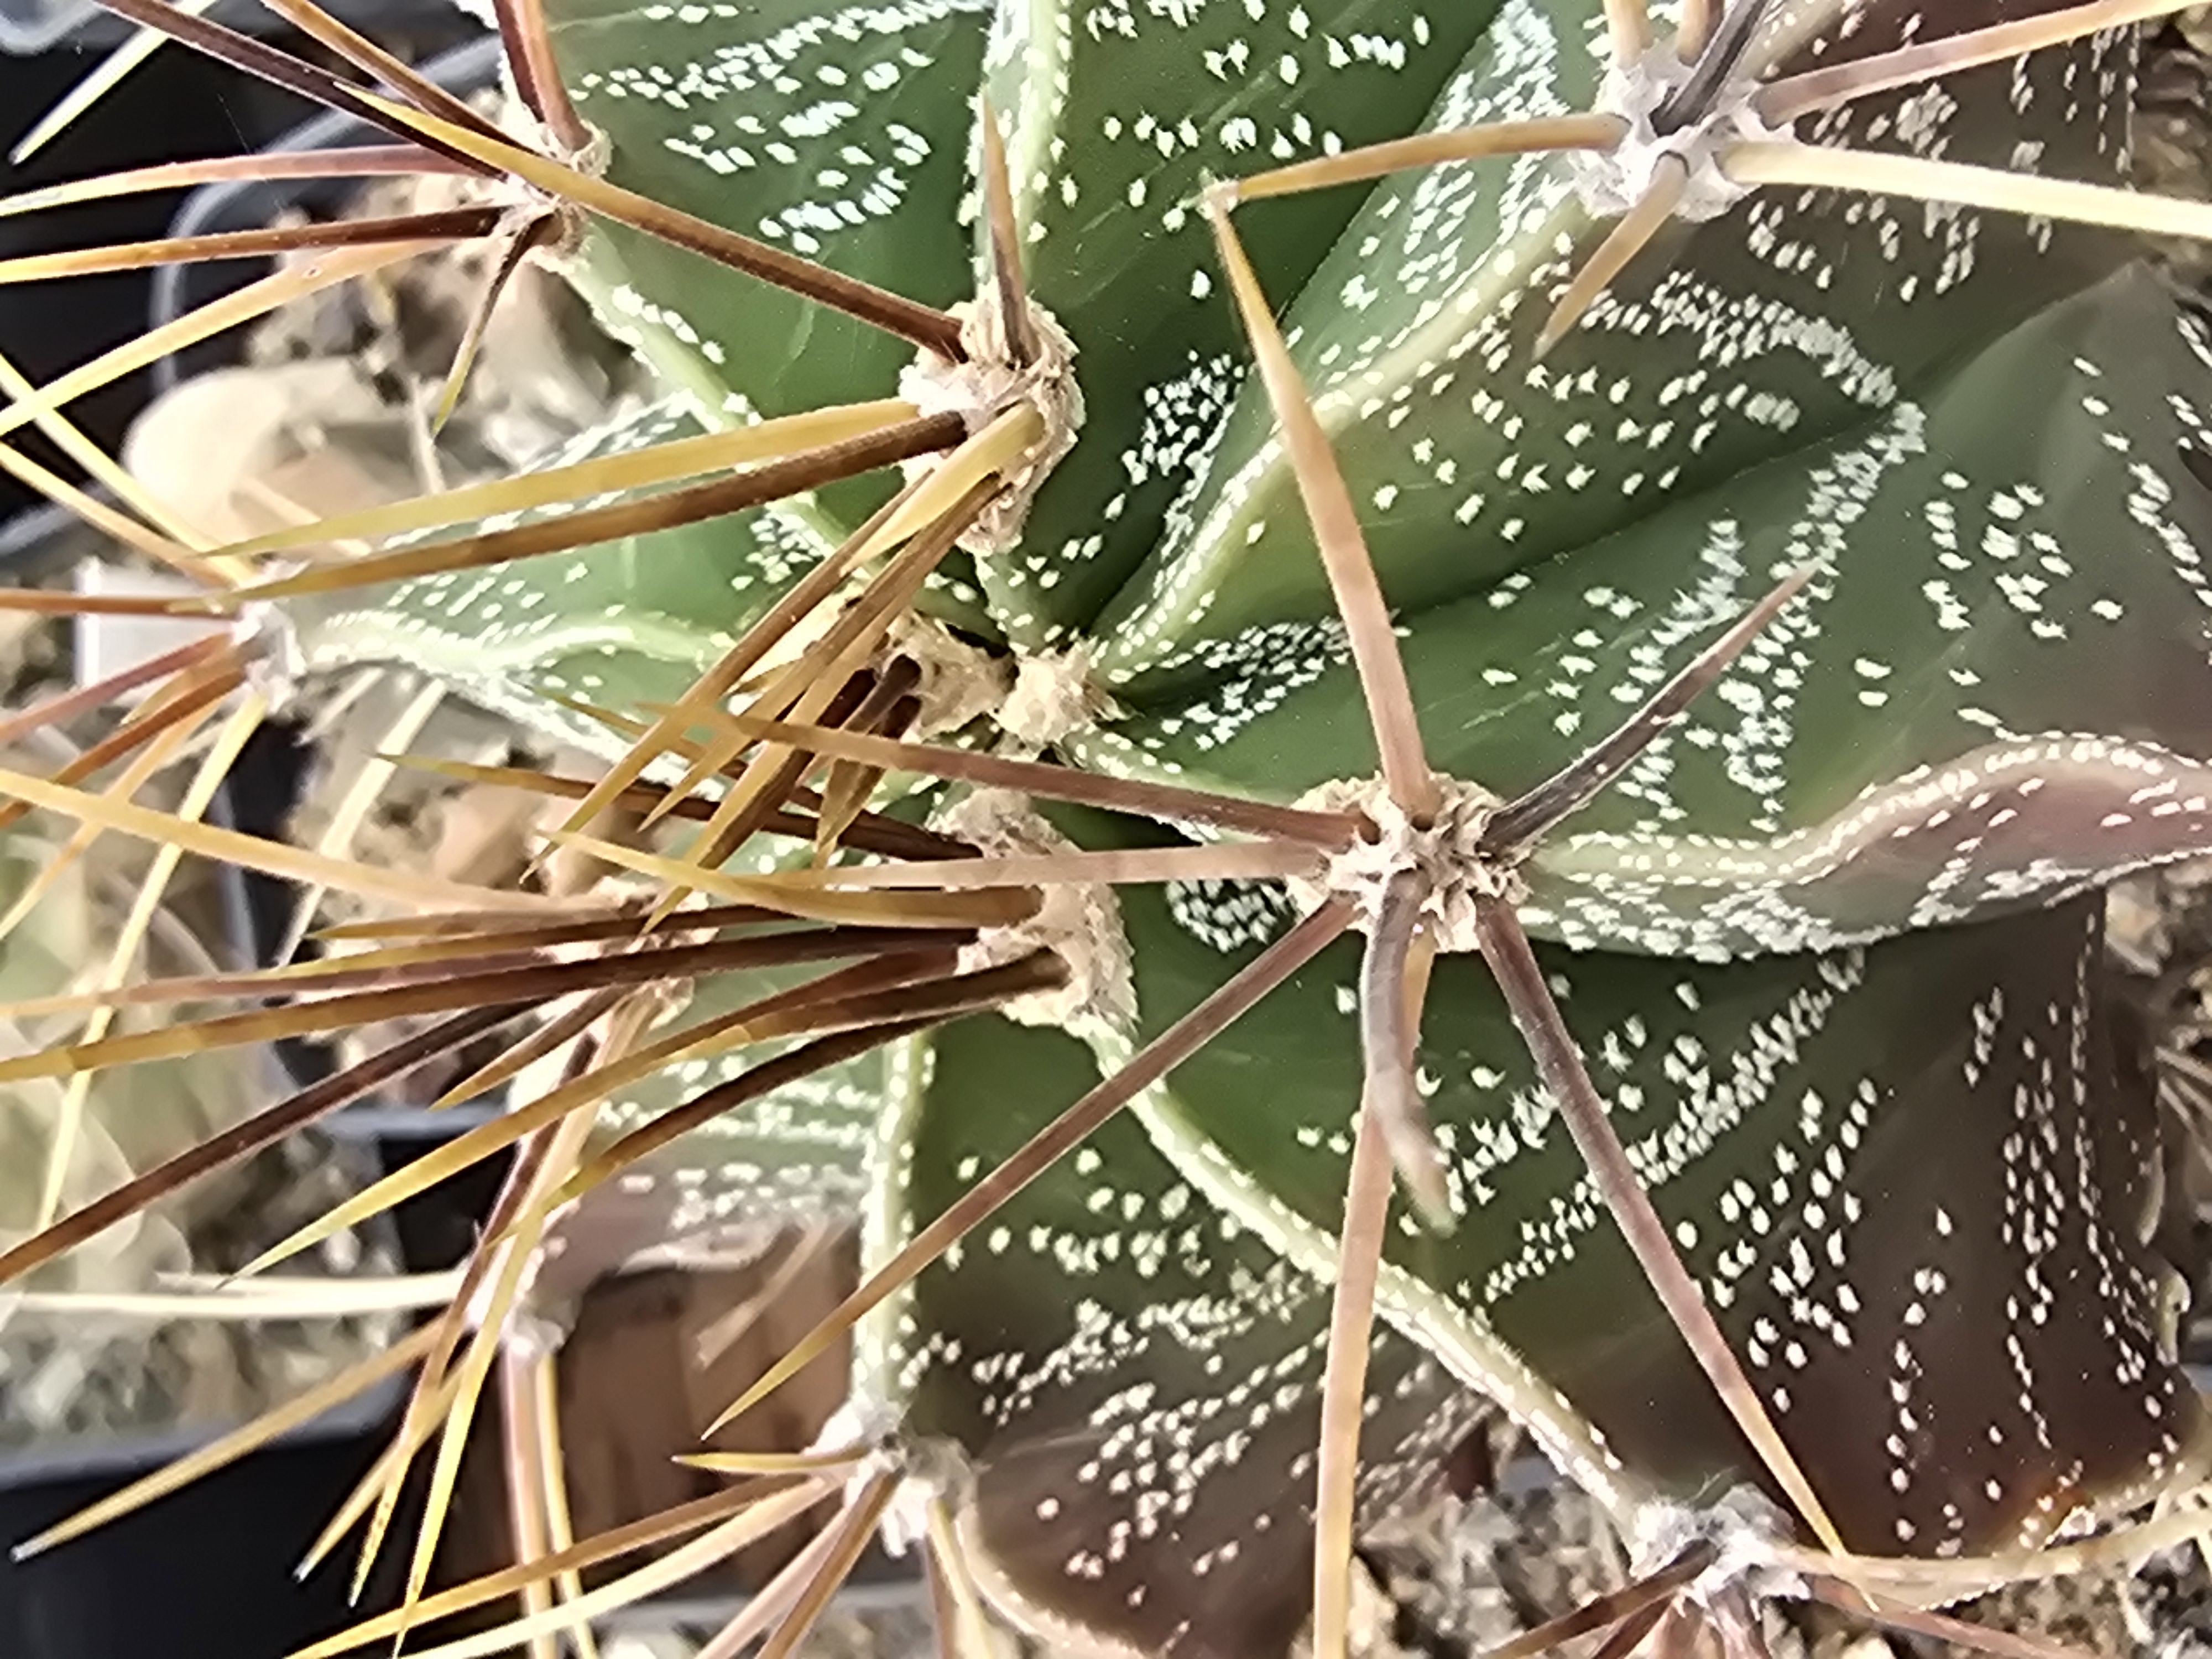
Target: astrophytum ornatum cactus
<point>1830,944</point>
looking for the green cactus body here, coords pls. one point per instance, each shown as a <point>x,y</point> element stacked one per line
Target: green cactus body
<point>1985,434</point>
<point>1831,1150</point>
<point>1143,1438</point>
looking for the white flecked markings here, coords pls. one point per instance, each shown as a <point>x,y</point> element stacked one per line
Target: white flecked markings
<point>837,132</point>
<point>797,1154</point>
<point>1961,578</point>
<point>1792,316</point>
<point>1133,1371</point>
<point>1907,1177</point>
<point>791,103</point>
<point>1131,1374</point>
<point>1962,713</point>
<point>1116,117</point>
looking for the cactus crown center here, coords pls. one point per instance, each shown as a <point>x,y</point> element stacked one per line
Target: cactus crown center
<point>1690,111</point>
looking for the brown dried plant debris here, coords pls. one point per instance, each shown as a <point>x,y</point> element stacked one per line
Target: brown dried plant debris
<point>67,1376</point>
<point>2174,128</point>
<point>1467,1575</point>
<point>67,1373</point>
<point>544,372</point>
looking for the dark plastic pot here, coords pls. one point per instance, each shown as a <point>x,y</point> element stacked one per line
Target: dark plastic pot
<point>30,26</point>
<point>209,1570</point>
<point>178,106</point>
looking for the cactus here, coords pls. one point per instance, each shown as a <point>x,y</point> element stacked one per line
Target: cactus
<point>1540,537</point>
<point>1605,335</point>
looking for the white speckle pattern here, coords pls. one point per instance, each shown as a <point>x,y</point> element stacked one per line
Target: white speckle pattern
<point>1134,1378</point>
<point>1899,748</point>
<point>1913,1239</point>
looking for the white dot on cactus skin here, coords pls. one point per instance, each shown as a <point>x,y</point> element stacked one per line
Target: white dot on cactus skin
<point>1201,285</point>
